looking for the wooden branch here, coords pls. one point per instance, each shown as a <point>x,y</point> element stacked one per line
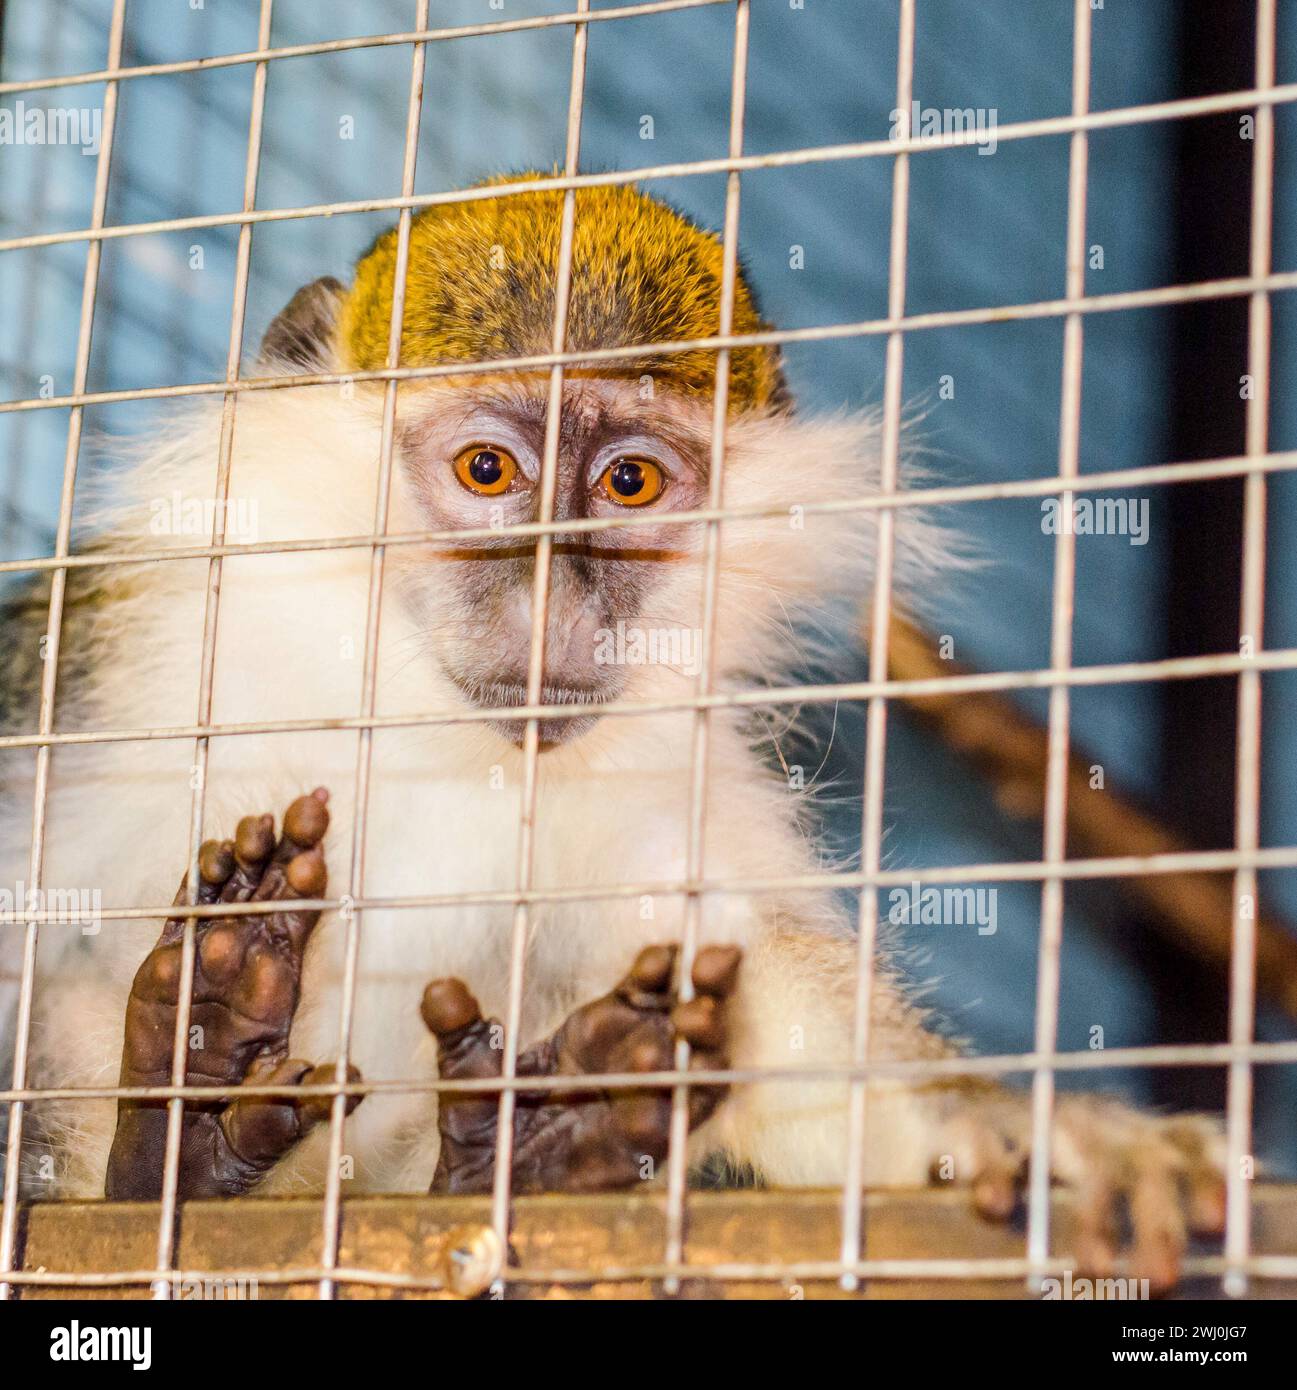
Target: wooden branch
<point>1007,748</point>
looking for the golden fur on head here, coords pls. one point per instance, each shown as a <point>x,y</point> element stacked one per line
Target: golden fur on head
<point>482,278</point>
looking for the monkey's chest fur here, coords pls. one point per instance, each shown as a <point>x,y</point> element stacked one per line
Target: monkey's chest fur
<point>437,861</point>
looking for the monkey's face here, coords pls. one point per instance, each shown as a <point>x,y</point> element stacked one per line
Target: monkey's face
<point>617,607</point>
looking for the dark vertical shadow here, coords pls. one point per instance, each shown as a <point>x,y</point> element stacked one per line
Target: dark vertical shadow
<point>1208,354</point>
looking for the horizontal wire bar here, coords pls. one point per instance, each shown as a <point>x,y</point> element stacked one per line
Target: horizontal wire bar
<point>1156,474</point>
<point>1122,673</point>
<point>780,159</point>
<point>1156,297</point>
<point>909,1070</point>
<point>1009,871</point>
<point>329,46</point>
<point>953,1270</point>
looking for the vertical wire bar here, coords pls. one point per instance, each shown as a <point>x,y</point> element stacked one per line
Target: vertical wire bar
<point>36,198</point>
<point>678,1136</point>
<point>332,1218</point>
<point>871,830</point>
<point>49,675</point>
<point>503,1176</point>
<point>1048,969</point>
<point>207,669</point>
<point>1247,800</point>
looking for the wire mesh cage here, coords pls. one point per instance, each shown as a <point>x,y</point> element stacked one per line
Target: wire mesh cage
<point>335,1238</point>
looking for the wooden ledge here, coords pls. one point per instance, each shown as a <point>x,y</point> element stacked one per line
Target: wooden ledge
<point>414,1247</point>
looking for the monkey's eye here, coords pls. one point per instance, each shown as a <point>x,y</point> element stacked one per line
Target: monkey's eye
<point>632,482</point>
<point>486,469</point>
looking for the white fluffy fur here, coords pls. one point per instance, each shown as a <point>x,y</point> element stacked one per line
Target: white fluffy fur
<point>612,806</point>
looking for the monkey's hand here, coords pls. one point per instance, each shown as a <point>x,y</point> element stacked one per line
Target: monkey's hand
<point>1142,1182</point>
<point>247,978</point>
<point>590,1139</point>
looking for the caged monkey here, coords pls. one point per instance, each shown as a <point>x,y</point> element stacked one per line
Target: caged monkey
<point>774,979</point>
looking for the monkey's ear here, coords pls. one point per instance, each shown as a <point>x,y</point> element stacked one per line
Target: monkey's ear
<point>301,337</point>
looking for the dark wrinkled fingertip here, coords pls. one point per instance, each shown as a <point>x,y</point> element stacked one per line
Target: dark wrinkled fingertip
<point>314,1109</point>
<point>254,839</point>
<point>306,820</point>
<point>700,1022</point>
<point>653,968</point>
<point>447,1006</point>
<point>716,969</point>
<point>306,874</point>
<point>216,861</point>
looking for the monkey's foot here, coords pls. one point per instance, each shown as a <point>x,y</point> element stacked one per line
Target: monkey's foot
<point>247,978</point>
<point>589,1139</point>
<point>1143,1183</point>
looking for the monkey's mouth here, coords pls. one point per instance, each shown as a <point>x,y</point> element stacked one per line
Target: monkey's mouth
<point>490,695</point>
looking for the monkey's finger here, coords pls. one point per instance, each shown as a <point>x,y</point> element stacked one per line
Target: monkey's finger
<point>1158,1222</point>
<point>1206,1203</point>
<point>701,1023</point>
<point>254,842</point>
<point>995,1194</point>
<point>648,983</point>
<point>1098,1234</point>
<point>448,1006</point>
<point>305,875</point>
<point>254,839</point>
<point>716,970</point>
<point>215,865</point>
<point>313,1109</point>
<point>224,945</point>
<point>990,1151</point>
<point>1199,1144</point>
<point>996,1184</point>
<point>464,1038</point>
<point>643,1117</point>
<point>305,823</point>
<point>262,1129</point>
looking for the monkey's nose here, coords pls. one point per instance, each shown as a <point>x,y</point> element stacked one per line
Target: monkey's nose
<point>571,643</point>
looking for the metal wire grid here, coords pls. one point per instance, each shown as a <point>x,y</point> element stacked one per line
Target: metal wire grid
<point>1240,1053</point>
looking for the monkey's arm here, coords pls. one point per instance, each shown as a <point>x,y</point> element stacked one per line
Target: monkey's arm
<point>1161,1175</point>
